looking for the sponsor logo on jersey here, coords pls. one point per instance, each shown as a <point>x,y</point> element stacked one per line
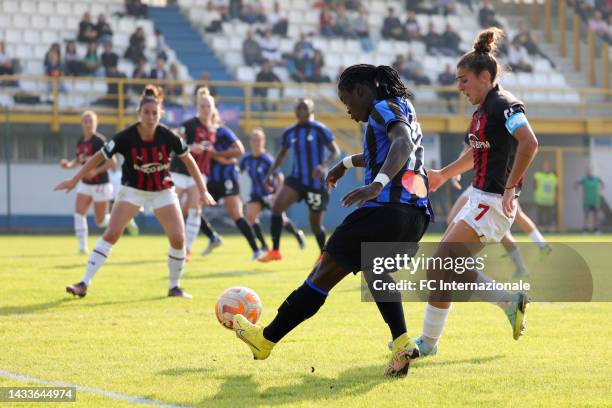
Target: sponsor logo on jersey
<point>478,144</point>
<point>151,167</point>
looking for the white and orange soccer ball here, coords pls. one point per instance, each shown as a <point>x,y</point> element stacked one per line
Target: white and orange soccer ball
<point>237,300</point>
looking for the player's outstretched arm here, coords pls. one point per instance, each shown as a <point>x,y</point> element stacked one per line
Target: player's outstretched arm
<point>525,152</point>
<point>93,162</point>
<point>339,169</point>
<point>437,178</point>
<point>399,152</point>
<point>280,157</point>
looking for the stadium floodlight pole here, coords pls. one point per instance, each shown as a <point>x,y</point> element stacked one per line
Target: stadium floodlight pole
<point>7,150</point>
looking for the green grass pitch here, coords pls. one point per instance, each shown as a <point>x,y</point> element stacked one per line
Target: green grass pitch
<point>126,337</point>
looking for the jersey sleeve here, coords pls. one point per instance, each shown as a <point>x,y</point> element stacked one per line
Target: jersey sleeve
<point>286,140</point>
<point>177,144</point>
<point>513,116</point>
<point>115,145</point>
<point>388,112</point>
<point>326,134</point>
<point>227,135</point>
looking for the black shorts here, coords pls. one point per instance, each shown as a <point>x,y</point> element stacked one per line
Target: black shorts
<point>265,201</point>
<point>220,189</point>
<point>389,223</point>
<point>316,198</point>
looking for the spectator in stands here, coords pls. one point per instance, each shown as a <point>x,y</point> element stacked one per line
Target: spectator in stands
<point>160,45</point>
<point>447,78</point>
<point>342,24</point>
<point>433,41</point>
<point>265,75</point>
<point>8,65</point>
<point>204,82</point>
<point>278,21</point>
<point>135,51</point>
<point>412,29</point>
<point>92,60</point>
<point>87,30</point>
<point>585,9</point>
<point>174,90</point>
<point>140,72</point>
<point>417,7</point>
<point>518,59</point>
<point>73,62</point>
<point>598,25</point>
<point>136,8</point>
<point>159,73</point>
<point>269,48</point>
<point>235,7</point>
<point>55,47</point>
<point>252,12</point>
<point>251,50</point>
<point>53,69</point>
<point>545,196</point>
<point>326,21</point>
<point>104,30</point>
<point>303,48</point>
<point>486,16</point>
<point>415,72</point>
<point>399,64</point>
<point>445,7</point>
<point>361,29</point>
<point>318,76</point>
<point>450,42</point>
<point>109,58</point>
<point>392,26</point>
<point>525,39</point>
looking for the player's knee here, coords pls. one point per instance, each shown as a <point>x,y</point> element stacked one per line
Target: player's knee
<point>177,241</point>
<point>111,236</point>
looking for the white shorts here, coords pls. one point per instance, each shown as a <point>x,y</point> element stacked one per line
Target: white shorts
<point>154,199</point>
<point>182,181</point>
<point>484,213</point>
<point>99,192</point>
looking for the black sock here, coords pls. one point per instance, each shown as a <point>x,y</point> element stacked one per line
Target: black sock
<point>301,304</point>
<point>246,230</point>
<point>275,230</point>
<point>390,307</point>
<point>206,228</point>
<point>290,227</point>
<point>320,236</point>
<point>259,234</point>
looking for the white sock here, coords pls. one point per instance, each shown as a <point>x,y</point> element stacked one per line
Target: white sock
<point>517,257</point>
<point>96,259</point>
<point>433,325</point>
<point>80,230</point>
<point>176,261</point>
<point>104,222</point>
<point>500,298</point>
<point>192,227</point>
<point>537,238</point>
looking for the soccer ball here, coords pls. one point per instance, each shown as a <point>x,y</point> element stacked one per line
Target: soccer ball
<point>237,300</point>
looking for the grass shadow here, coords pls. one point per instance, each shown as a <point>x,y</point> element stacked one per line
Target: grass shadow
<point>311,387</point>
<point>475,360</point>
<point>109,263</point>
<point>33,308</point>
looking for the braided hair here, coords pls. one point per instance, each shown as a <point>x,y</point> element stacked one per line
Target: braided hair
<point>383,79</point>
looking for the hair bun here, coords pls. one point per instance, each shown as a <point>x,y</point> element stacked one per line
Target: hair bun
<point>487,41</point>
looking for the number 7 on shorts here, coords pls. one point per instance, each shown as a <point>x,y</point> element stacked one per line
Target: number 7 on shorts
<point>484,209</point>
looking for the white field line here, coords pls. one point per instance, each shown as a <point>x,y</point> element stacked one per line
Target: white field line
<point>88,390</point>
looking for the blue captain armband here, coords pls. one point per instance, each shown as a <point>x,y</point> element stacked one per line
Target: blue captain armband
<point>516,121</point>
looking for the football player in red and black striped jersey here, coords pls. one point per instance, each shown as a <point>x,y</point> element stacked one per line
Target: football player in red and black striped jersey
<point>502,146</point>
<point>95,186</point>
<point>146,147</point>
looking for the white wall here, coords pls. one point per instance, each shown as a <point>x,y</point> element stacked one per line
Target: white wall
<point>32,189</point>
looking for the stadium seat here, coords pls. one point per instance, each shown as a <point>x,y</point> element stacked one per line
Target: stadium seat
<point>10,6</point>
<point>28,7</point>
<point>245,74</point>
<point>46,8</point>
